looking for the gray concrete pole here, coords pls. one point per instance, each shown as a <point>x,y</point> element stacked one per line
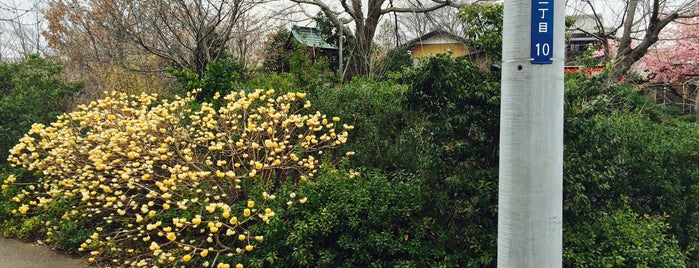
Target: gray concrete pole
<point>531,135</point>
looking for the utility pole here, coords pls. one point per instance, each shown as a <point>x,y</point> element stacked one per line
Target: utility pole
<point>340,72</point>
<point>531,135</point>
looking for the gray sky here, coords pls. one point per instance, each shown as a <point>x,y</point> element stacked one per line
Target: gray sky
<point>20,28</point>
<point>31,22</point>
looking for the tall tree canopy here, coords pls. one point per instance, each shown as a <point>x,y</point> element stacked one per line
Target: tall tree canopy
<point>182,34</point>
<point>484,28</point>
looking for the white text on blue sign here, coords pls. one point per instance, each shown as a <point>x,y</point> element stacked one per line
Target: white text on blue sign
<point>542,31</point>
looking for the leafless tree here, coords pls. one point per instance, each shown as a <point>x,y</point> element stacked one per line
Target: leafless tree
<point>389,36</point>
<point>20,30</point>
<point>250,36</point>
<point>418,24</point>
<point>184,34</point>
<point>12,11</point>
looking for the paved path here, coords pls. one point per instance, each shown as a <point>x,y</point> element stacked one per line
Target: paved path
<point>19,254</point>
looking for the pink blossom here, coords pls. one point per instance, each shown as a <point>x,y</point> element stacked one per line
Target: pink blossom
<point>674,56</point>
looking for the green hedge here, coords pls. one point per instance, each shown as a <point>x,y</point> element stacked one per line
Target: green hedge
<point>31,92</point>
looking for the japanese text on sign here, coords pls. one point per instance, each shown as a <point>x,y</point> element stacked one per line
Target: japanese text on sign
<point>542,31</point>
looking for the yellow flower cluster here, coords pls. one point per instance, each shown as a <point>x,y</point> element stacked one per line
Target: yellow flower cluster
<point>8,181</point>
<point>129,160</point>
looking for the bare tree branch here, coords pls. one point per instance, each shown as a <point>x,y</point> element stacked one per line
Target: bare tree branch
<point>415,10</point>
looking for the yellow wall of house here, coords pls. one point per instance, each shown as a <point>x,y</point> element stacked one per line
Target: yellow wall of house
<point>427,50</point>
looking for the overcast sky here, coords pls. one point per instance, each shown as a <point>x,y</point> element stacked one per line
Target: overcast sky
<point>32,22</point>
<point>19,17</point>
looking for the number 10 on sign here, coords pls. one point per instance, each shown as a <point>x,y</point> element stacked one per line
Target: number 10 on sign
<point>541,31</point>
<point>543,49</point>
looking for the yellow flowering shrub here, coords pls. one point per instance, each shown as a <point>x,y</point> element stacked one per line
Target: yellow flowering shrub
<point>173,182</point>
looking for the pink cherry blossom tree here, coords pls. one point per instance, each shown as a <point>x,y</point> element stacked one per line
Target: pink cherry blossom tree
<point>676,54</point>
<point>636,28</point>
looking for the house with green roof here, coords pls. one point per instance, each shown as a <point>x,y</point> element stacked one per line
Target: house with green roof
<point>312,39</point>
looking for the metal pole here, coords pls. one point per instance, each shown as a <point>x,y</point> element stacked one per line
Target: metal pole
<point>339,54</point>
<point>531,135</point>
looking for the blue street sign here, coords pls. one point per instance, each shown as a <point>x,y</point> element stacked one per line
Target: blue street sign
<point>542,31</point>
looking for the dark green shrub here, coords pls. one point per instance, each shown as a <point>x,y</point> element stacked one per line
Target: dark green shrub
<point>622,239</point>
<point>381,122</point>
<point>310,70</point>
<point>392,64</point>
<point>403,138</point>
<point>276,56</point>
<point>219,76</point>
<point>282,82</point>
<point>458,158</point>
<point>31,93</point>
<point>617,144</point>
<point>353,221</point>
<point>461,104</point>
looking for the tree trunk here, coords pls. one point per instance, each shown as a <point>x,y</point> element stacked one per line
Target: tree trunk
<point>365,26</point>
<point>628,54</point>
